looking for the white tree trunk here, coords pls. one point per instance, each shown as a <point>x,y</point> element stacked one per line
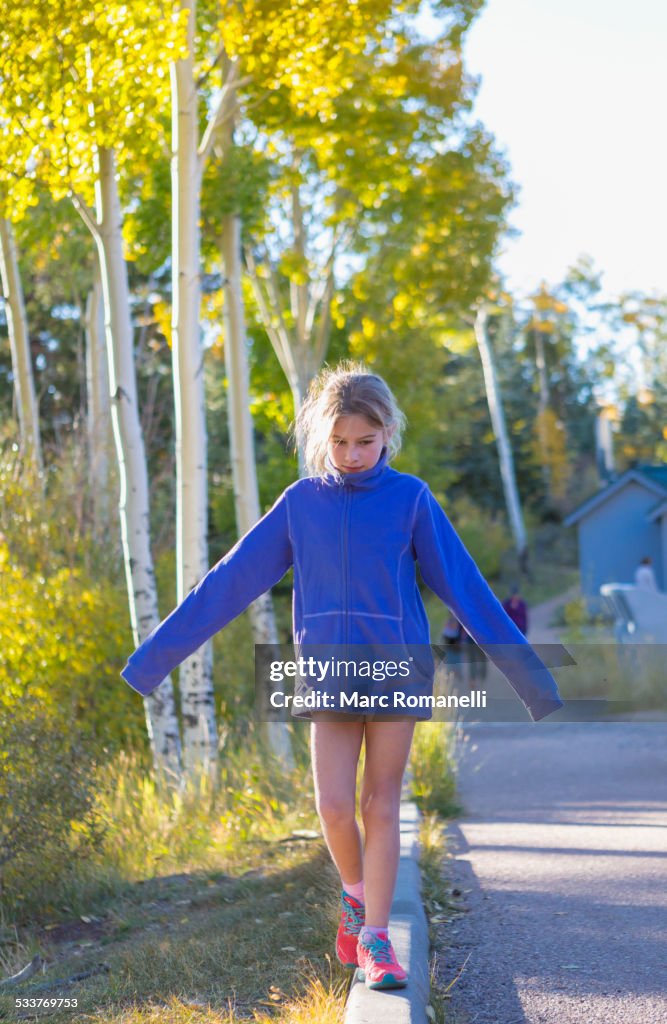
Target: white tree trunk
<point>542,409</point>
<point>196,683</point>
<point>541,364</point>
<point>98,404</point>
<point>19,341</point>
<point>242,447</point>
<point>161,718</point>
<point>505,457</point>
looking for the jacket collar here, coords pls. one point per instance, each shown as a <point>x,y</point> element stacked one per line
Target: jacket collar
<point>367,479</point>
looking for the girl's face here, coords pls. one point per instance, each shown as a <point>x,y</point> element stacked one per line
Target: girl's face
<point>355,444</point>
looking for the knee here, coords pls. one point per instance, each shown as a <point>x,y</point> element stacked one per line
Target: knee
<point>380,809</point>
<point>335,811</point>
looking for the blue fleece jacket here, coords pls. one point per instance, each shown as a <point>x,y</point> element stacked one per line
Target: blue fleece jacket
<point>353,540</point>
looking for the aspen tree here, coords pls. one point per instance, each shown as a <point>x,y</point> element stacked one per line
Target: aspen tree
<point>98,400</point>
<point>505,455</point>
<point>19,342</point>
<point>290,45</point>
<point>81,90</point>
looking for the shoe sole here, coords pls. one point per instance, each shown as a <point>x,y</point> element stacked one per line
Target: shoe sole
<point>389,981</point>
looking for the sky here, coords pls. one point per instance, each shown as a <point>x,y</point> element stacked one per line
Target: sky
<point>575,93</point>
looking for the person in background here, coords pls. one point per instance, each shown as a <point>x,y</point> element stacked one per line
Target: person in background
<point>645,576</point>
<point>452,637</point>
<point>465,660</point>
<point>475,659</point>
<point>516,608</point>
<point>451,631</point>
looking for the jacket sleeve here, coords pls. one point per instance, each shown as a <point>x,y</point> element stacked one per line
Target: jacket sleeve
<point>258,561</point>
<point>449,570</point>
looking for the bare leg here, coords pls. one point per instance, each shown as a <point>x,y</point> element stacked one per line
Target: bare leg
<point>387,750</point>
<point>335,748</point>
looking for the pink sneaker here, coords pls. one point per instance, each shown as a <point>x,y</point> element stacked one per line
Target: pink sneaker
<point>351,922</point>
<point>378,962</point>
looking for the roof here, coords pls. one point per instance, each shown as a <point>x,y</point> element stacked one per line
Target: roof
<point>656,473</point>
<point>658,511</point>
<point>654,478</point>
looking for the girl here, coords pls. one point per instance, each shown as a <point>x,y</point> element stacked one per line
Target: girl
<point>353,532</point>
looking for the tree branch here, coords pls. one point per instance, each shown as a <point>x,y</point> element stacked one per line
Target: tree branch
<point>278,336</point>
<point>202,78</point>
<point>87,215</point>
<point>223,110</point>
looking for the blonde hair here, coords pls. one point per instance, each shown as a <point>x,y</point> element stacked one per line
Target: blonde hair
<point>348,389</point>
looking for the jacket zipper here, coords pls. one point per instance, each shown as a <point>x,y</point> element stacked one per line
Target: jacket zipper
<point>346,530</point>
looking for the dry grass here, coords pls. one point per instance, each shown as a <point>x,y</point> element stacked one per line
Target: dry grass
<point>197,947</point>
<point>213,904</point>
<point>216,904</point>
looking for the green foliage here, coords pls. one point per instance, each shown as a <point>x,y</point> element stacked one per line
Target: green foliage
<point>64,622</point>
<point>642,430</point>
<point>576,617</point>
<point>486,536</point>
<point>431,769</point>
<point>63,641</point>
<point>235,182</point>
<point>101,80</point>
<point>272,409</point>
<point>47,827</point>
<point>45,519</point>
<point>110,825</point>
<point>55,263</point>
<point>142,829</point>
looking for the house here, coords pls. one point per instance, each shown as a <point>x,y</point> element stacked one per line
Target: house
<point>618,526</point>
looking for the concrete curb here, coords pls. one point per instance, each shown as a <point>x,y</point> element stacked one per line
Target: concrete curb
<point>408,930</point>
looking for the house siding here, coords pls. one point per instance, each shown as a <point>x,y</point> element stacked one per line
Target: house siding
<point>614,537</point>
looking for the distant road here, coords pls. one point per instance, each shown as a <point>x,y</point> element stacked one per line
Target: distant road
<point>561,857</point>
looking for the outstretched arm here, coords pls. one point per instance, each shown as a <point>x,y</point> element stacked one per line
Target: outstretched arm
<point>258,561</point>
<point>449,570</point>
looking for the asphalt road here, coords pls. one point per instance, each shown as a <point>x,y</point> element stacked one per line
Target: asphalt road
<point>561,862</point>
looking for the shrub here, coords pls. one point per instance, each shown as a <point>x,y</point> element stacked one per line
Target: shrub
<point>431,768</point>
<point>485,536</point>
<point>46,519</point>
<point>46,792</point>
<point>63,640</point>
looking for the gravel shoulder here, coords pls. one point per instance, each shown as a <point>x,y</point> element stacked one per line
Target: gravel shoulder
<point>561,858</point>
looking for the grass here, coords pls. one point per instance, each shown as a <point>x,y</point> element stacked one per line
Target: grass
<point>148,832</point>
<point>630,677</point>
<point>206,947</point>
<point>215,904</point>
<point>431,769</point>
<point>547,581</point>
